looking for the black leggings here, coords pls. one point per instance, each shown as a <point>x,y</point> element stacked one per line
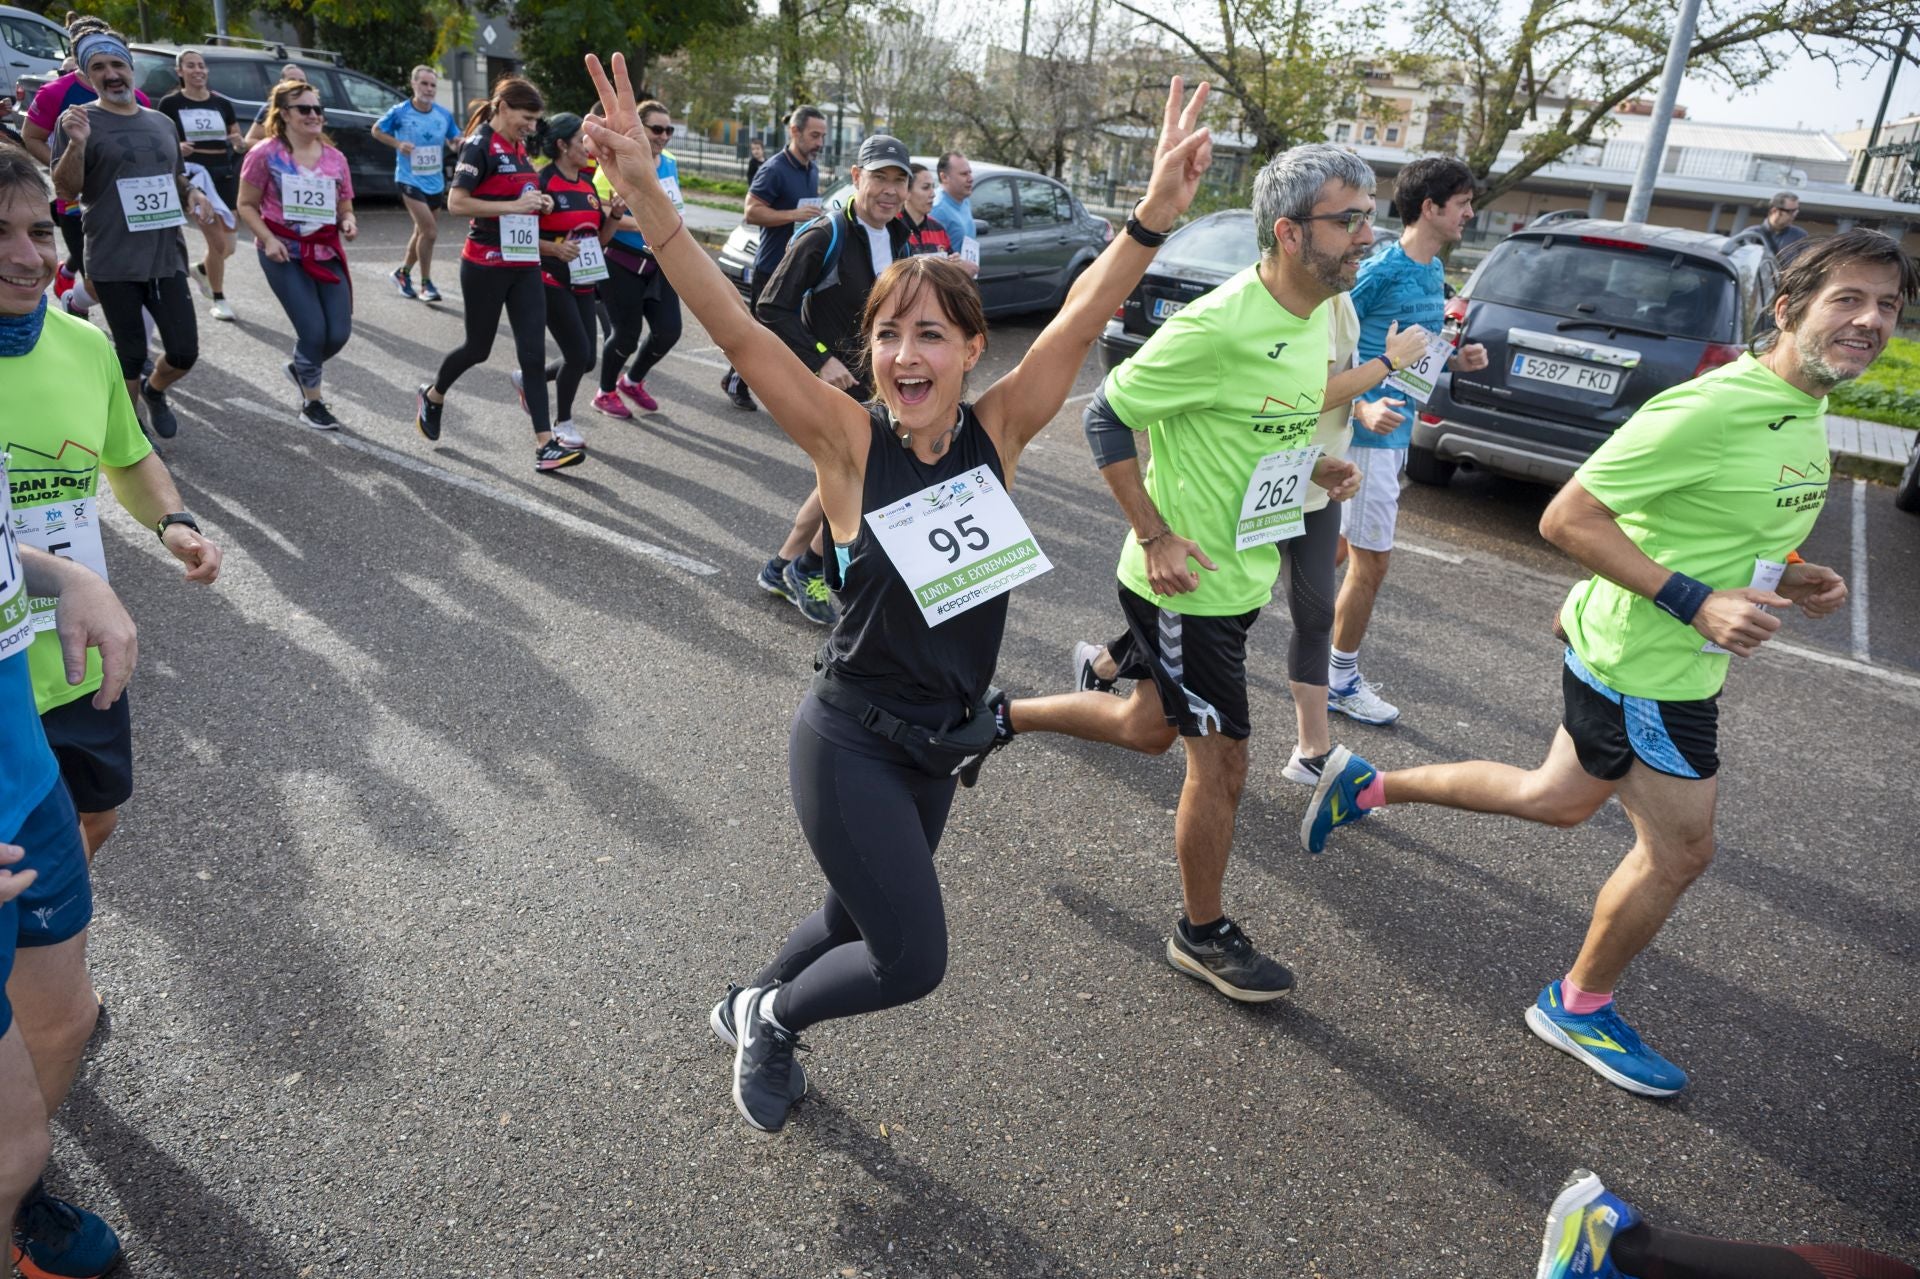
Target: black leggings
<point>1306,562</point>
<point>171,302</point>
<point>1648,1252</point>
<point>633,300</point>
<point>71,231</point>
<point>873,821</point>
<point>570,318</point>
<point>486,290</point>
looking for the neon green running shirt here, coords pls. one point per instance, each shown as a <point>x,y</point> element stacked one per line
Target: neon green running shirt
<point>1226,381</point>
<point>1707,478</point>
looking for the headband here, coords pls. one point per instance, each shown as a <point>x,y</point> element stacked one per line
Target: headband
<point>100,42</point>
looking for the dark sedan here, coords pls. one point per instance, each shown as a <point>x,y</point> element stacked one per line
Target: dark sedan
<point>1035,239</point>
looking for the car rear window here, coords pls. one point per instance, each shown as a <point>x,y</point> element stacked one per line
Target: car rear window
<point>1665,292</point>
<point>244,80</point>
<point>153,74</point>
<point>1213,244</point>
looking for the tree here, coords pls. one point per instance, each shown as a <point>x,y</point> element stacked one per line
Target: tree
<point>1565,65</point>
<point>894,68</point>
<point>556,34</point>
<point>1289,71</point>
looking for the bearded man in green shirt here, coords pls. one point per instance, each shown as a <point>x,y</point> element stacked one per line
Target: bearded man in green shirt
<point>1688,517</point>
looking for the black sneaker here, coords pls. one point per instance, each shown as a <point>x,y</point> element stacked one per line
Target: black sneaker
<point>1227,961</point>
<point>721,1021</point>
<point>426,414</point>
<point>762,1063</point>
<point>315,414</point>
<point>737,392</point>
<point>159,415</point>
<point>997,703</point>
<point>553,456</point>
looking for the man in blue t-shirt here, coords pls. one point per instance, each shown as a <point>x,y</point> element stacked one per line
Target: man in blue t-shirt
<point>784,193</point>
<point>420,130</point>
<point>1404,285</point>
<point>953,208</point>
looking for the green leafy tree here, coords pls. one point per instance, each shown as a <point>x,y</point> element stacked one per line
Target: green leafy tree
<point>556,34</point>
<point>1551,76</point>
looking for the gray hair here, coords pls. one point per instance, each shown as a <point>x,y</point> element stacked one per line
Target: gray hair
<point>1290,182</point>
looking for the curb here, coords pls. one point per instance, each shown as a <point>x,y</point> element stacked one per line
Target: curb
<point>1858,466</point>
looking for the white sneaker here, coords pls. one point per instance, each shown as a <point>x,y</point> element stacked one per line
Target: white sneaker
<point>1362,702</point>
<point>201,281</point>
<point>569,435</point>
<point>223,310</point>
<point>1084,680</point>
<point>1299,770</point>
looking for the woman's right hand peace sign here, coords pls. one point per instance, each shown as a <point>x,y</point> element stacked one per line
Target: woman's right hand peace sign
<point>620,143</point>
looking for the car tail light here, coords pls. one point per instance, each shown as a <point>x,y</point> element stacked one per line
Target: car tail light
<point>1455,325</point>
<point>1605,243</point>
<point>1431,419</point>
<point>1716,354</point>
<point>1120,312</point>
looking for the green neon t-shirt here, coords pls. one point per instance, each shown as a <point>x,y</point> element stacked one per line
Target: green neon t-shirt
<point>1707,479</point>
<point>1233,377</point>
<point>65,414</point>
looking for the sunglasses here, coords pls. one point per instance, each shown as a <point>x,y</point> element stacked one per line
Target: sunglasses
<point>1350,220</point>
<point>660,130</point>
<point>306,108</point>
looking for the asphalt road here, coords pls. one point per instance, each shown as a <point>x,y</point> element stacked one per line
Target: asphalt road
<point>463,795</point>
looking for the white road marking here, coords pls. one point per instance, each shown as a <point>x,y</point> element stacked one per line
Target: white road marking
<point>1432,553</point>
<point>676,353</point>
<point>506,497</point>
<point>1857,579</point>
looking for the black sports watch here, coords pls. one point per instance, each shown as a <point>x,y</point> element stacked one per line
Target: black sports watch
<point>178,517</point>
<point>1140,234</point>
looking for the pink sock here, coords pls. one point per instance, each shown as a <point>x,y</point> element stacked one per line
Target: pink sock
<point>1373,794</point>
<point>1580,1002</point>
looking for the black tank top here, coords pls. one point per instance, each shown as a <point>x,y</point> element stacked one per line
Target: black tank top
<point>882,645</point>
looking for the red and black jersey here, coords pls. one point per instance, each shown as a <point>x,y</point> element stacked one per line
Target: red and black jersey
<point>928,237</point>
<point>491,168</point>
<point>576,212</point>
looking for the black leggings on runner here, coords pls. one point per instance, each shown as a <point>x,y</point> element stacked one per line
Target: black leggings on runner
<point>873,821</point>
<point>634,300</point>
<point>487,290</point>
<point>171,302</point>
<point>570,318</point>
<point>1306,562</point>
<point>1648,1252</point>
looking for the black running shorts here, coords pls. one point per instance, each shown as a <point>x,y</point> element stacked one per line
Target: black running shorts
<point>1199,665</point>
<point>1610,730</point>
<point>95,750</point>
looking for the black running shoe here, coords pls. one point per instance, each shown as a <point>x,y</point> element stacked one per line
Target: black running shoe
<point>737,392</point>
<point>1227,961</point>
<point>316,415</point>
<point>721,1021</point>
<point>426,414</point>
<point>159,415</point>
<point>762,1063</point>
<point>553,455</point>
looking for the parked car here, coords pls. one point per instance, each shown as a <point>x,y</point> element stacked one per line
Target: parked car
<point>1204,253</point>
<point>30,45</point>
<point>246,72</point>
<point>1035,239</point>
<point>1907,496</point>
<point>1583,321</point>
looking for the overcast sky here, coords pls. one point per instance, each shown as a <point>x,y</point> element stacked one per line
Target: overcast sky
<point>1807,94</point>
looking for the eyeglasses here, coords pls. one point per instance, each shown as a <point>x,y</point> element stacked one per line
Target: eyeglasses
<point>306,108</point>
<point>1794,212</point>
<point>660,130</point>
<point>1350,220</point>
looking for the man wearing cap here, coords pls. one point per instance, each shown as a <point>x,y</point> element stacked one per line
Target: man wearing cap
<point>814,301</point>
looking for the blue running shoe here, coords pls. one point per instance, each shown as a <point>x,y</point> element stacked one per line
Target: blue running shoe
<point>1336,798</point>
<point>1605,1042</point>
<point>773,579</point>
<point>1581,1227</point>
<point>402,281</point>
<point>52,1239</point>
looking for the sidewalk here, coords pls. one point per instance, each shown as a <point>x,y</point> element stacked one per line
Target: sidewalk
<point>1871,450</point>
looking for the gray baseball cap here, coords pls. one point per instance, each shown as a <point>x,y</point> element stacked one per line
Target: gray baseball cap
<point>881,151</point>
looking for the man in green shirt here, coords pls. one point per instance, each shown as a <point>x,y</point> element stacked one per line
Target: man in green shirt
<point>1688,517</point>
<point>1229,392</point>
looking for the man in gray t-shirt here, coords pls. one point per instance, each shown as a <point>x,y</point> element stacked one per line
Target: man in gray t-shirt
<point>122,163</point>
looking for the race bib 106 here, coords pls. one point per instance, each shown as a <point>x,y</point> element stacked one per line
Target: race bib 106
<point>958,544</point>
<point>519,237</point>
<point>1417,379</point>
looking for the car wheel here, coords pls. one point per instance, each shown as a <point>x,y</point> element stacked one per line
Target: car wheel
<point>1907,496</point>
<point>1425,467</point>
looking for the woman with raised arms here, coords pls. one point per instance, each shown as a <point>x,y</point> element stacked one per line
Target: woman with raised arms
<point>926,541</point>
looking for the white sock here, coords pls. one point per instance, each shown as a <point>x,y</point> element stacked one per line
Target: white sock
<point>766,1015</point>
<point>79,297</point>
<point>1343,668</point>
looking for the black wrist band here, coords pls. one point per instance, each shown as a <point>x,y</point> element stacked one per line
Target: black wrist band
<point>1141,235</point>
<point>1682,597</point>
<point>1391,370</point>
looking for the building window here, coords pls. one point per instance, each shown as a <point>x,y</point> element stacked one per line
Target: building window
<point>1343,133</point>
<point>1370,134</point>
<point>1393,133</point>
